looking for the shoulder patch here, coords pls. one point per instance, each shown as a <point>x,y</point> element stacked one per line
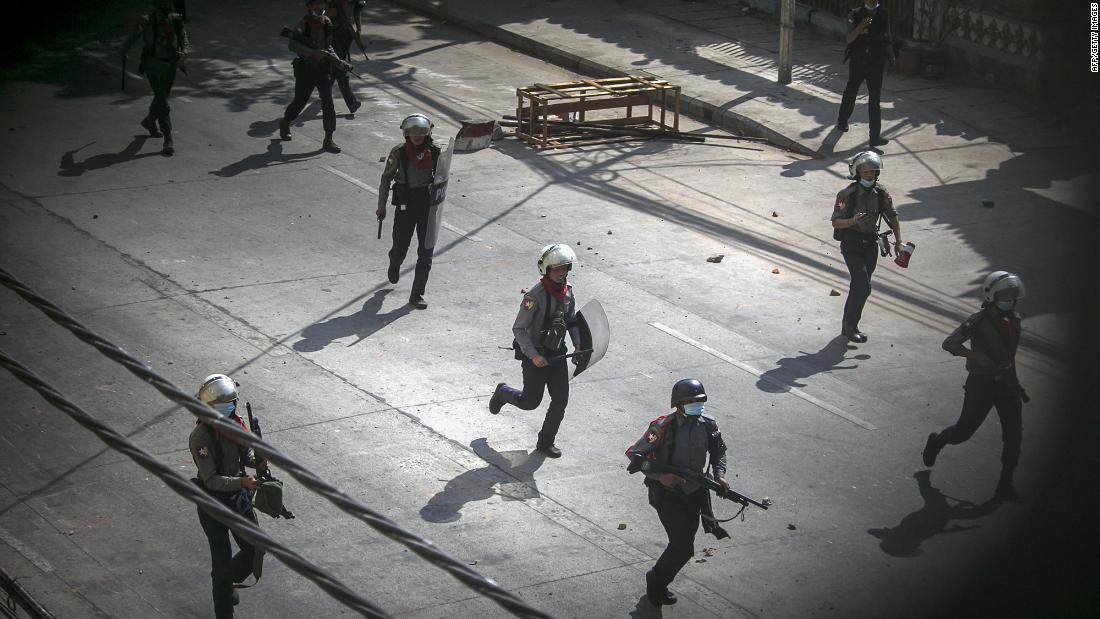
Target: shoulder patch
<point>202,451</point>
<point>528,303</point>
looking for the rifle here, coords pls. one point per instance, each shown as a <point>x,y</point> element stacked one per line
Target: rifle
<point>328,55</point>
<point>639,463</point>
<point>380,220</point>
<point>254,426</point>
<point>124,74</point>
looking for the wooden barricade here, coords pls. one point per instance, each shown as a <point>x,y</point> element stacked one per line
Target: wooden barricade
<point>538,106</point>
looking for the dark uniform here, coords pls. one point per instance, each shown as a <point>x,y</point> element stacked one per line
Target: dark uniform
<point>540,313</point>
<point>867,57</point>
<point>163,50</point>
<point>345,23</point>
<point>221,465</point>
<point>684,442</point>
<point>858,244</point>
<point>994,335</point>
<point>311,74</point>
<point>411,170</point>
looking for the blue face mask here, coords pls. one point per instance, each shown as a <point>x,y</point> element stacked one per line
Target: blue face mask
<point>1005,306</point>
<point>866,183</point>
<point>694,409</point>
<point>226,409</point>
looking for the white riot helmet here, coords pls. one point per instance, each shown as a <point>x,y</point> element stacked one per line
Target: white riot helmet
<point>220,393</point>
<point>554,256</point>
<point>1002,286</point>
<point>867,157</point>
<point>416,124</point>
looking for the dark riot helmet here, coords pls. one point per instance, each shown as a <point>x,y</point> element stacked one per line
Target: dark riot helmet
<point>686,391</point>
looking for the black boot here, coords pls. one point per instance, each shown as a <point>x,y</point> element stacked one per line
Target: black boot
<point>150,125</point>
<point>853,333</point>
<point>168,149</point>
<point>497,401</point>
<point>284,129</point>
<point>658,594</point>
<point>328,145</point>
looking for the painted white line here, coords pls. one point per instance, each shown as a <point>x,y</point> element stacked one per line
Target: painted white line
<point>360,184</point>
<point>351,179</point>
<point>757,373</point>
<point>116,67</point>
<point>32,556</point>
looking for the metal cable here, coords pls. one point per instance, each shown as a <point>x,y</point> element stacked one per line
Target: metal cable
<point>422,547</point>
<point>188,490</point>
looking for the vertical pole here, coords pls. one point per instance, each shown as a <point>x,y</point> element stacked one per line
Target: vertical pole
<point>786,39</point>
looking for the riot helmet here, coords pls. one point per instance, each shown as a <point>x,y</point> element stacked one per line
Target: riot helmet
<point>1002,286</point>
<point>869,159</point>
<point>689,395</point>
<point>219,392</point>
<point>556,255</point>
<point>416,124</point>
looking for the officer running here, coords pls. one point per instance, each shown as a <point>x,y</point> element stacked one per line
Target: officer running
<point>312,71</point>
<point>855,219</point>
<point>163,50</point>
<point>683,439</point>
<point>221,463</point>
<point>547,311</point>
<point>347,25</point>
<point>994,333</point>
<point>410,167</point>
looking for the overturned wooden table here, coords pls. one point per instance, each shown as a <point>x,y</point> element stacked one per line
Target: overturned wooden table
<point>613,100</point>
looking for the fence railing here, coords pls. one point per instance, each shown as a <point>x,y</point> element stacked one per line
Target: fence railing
<point>901,12</point>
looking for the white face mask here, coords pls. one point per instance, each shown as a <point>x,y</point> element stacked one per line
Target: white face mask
<point>694,409</point>
<point>866,183</point>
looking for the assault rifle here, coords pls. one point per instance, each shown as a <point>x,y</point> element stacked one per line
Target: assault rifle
<point>254,426</point>
<point>639,463</point>
<point>328,55</point>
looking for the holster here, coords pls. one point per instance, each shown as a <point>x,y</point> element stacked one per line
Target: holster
<point>399,194</point>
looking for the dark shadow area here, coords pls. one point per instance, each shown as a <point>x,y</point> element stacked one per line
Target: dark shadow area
<point>361,324</point>
<point>645,610</point>
<point>512,471</point>
<point>934,518</point>
<point>69,166</point>
<point>790,369</point>
<point>273,156</point>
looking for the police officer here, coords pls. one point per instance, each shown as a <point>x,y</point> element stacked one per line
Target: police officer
<point>221,463</point>
<point>683,439</point>
<point>347,27</point>
<point>312,70</point>
<point>163,50</point>
<point>994,333</point>
<point>855,219</point>
<point>546,313</point>
<point>869,47</point>
<point>411,169</point>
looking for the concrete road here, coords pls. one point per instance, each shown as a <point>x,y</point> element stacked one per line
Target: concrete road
<point>256,257</point>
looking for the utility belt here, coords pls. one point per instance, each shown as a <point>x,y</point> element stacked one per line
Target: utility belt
<point>402,194</point>
<point>240,501</point>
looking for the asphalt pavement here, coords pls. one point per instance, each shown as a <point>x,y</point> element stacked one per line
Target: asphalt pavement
<point>256,257</point>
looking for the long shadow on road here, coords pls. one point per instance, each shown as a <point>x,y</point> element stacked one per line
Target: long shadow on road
<point>513,471</point>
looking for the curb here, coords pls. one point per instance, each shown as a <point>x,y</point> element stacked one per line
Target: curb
<point>690,106</point>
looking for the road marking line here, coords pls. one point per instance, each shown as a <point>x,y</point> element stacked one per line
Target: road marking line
<point>360,184</point>
<point>757,373</point>
<point>32,556</point>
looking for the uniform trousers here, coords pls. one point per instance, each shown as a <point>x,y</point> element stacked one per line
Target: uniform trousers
<point>341,44</point>
<point>861,257</point>
<point>310,76</point>
<point>227,568</point>
<point>983,392</point>
<point>409,218</point>
<point>679,514</point>
<point>554,379</point>
<point>858,72</point>
<point>161,76</point>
